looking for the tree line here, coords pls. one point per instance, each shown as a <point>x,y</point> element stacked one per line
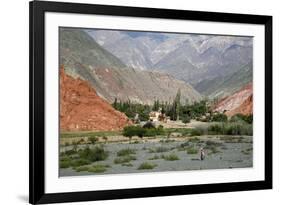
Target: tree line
<point>177,110</point>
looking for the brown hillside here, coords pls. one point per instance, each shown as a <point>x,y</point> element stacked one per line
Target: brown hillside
<point>82,109</point>
<point>245,108</point>
<point>239,102</point>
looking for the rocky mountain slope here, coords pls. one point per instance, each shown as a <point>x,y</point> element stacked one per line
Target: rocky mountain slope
<point>80,54</point>
<point>194,66</point>
<point>140,86</point>
<point>189,57</point>
<point>111,79</point>
<point>222,86</point>
<point>240,102</point>
<point>82,109</point>
<point>135,52</point>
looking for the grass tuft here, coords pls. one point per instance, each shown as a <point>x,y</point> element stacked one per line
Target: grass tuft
<point>170,157</point>
<point>147,165</point>
<point>191,150</point>
<point>127,151</point>
<point>124,159</point>
<point>158,149</point>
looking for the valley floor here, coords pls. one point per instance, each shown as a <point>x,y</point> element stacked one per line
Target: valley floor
<point>168,154</point>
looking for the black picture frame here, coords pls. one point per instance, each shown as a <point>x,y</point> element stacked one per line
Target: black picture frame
<point>37,194</point>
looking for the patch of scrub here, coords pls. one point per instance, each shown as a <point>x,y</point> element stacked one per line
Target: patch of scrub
<point>167,156</point>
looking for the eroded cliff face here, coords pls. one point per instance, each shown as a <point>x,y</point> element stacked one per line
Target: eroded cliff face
<point>81,109</point>
<point>240,102</point>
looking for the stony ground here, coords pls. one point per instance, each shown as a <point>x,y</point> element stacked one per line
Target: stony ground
<point>220,154</point>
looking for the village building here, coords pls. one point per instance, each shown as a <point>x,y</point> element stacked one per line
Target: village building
<point>156,116</point>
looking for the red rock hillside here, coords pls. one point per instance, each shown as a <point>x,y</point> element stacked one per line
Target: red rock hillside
<point>239,102</point>
<point>82,109</point>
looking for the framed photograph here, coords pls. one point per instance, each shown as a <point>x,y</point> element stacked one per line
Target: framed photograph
<point>140,102</point>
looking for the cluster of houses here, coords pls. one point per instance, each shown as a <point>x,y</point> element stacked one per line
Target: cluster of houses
<point>154,116</point>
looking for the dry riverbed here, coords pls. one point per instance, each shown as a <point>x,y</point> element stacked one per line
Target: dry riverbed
<point>167,154</point>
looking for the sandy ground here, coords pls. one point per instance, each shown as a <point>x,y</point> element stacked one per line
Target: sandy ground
<point>180,124</point>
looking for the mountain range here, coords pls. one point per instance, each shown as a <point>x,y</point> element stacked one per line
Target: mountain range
<point>83,57</point>
<point>194,58</point>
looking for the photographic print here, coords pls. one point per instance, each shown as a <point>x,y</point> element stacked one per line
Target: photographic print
<point>144,101</point>
<point>130,102</point>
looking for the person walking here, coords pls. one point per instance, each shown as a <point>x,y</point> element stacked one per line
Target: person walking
<point>202,154</point>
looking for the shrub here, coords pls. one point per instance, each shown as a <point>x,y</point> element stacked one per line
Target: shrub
<point>219,117</point>
<point>93,139</point>
<point>216,129</point>
<point>231,129</point>
<point>196,132</point>
<point>159,149</point>
<point>147,165</point>
<point>167,141</point>
<point>131,131</point>
<point>185,144</point>
<point>154,157</point>
<point>191,150</point>
<point>149,125</point>
<point>65,162</point>
<point>244,152</point>
<point>69,152</point>
<point>239,129</point>
<point>213,143</point>
<point>240,117</point>
<point>75,146</point>
<point>80,162</point>
<point>194,140</point>
<point>235,129</point>
<point>249,119</point>
<point>97,168</point>
<point>154,132</point>
<point>127,165</point>
<point>126,151</point>
<point>232,139</point>
<point>135,142</point>
<point>81,169</point>
<point>81,141</point>
<point>185,119</point>
<point>247,151</point>
<point>124,159</point>
<point>105,138</point>
<point>213,149</point>
<point>170,157</point>
<point>160,127</point>
<point>95,154</point>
